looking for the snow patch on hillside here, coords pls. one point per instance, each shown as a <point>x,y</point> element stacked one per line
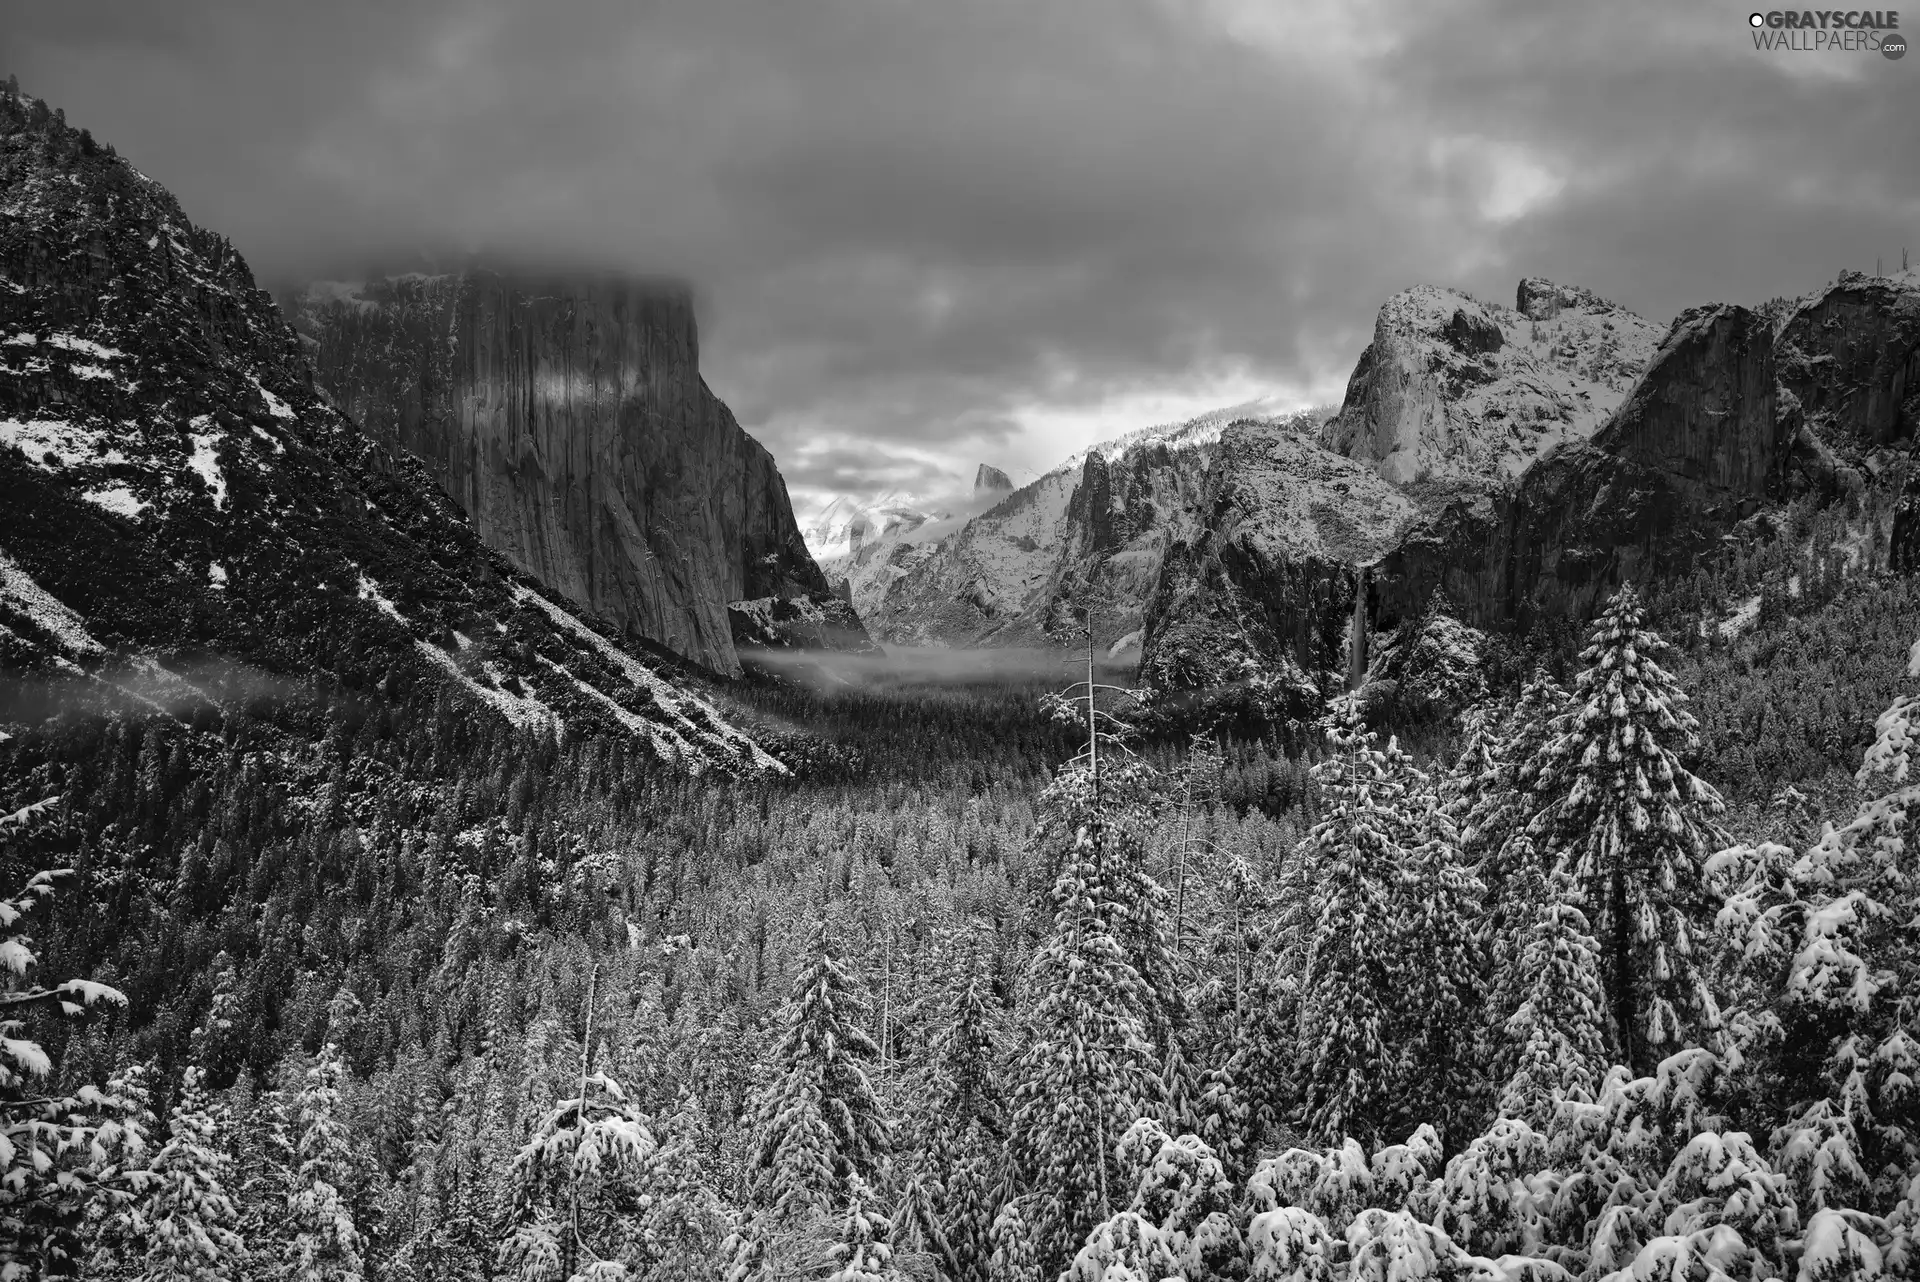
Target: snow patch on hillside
<point>71,444</point>
<point>119,500</point>
<point>17,589</point>
<point>672,701</point>
<point>370,591</point>
<point>275,406</point>
<point>523,712</point>
<point>206,463</point>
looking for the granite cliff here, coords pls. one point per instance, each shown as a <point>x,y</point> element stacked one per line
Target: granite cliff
<point>566,415</point>
<point>1632,477</point>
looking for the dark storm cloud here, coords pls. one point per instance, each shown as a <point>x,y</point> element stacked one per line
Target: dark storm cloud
<point>922,227</point>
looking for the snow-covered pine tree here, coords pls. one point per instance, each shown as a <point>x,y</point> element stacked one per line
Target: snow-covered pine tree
<point>1437,902</point>
<point>1557,1033</point>
<point>1015,1254</point>
<point>116,1167</point>
<point>1634,827</point>
<point>192,1224</point>
<point>819,1121</point>
<point>1499,779</point>
<point>580,1184</point>
<point>1107,791</point>
<point>327,1246</point>
<point>862,1252</point>
<point>968,1121</point>
<point>1244,1015</point>
<point>917,1233</point>
<point>265,1140</point>
<point>1350,1069</point>
<point>47,1175</point>
<point>1088,1070</point>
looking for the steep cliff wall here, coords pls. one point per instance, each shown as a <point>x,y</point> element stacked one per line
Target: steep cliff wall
<point>568,418</point>
<point>1455,389</point>
<point>1696,445</point>
<point>1849,360</point>
<point>1270,577</point>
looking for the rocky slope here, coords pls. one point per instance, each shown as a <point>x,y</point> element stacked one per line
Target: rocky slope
<point>185,521</point>
<point>1730,415</point>
<point>1096,527</point>
<point>567,416</point>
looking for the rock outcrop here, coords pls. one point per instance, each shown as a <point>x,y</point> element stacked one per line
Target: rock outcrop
<point>991,482</point>
<point>1269,581</point>
<point>1454,389</point>
<point>567,416</point>
<point>1692,450</point>
<point>1850,358</point>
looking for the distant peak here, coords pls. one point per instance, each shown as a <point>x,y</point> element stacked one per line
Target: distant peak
<point>990,478</point>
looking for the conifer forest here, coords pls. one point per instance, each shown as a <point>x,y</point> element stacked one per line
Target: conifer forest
<point>1569,990</point>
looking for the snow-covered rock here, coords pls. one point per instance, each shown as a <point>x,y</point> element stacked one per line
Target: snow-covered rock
<point>1453,388</point>
<point>1096,526</point>
<point>1272,576</point>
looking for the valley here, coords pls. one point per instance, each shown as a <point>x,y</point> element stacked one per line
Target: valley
<point>458,822</point>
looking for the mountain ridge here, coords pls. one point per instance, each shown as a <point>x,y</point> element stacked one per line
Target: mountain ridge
<point>176,497</point>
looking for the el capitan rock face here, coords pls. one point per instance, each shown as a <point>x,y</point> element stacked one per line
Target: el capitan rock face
<point>567,416</point>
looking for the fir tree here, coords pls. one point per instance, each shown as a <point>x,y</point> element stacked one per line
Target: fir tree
<point>47,1172</point>
<point>968,1121</point>
<point>191,1220</point>
<point>1557,1033</point>
<point>1088,1070</point>
<point>1437,903</point>
<point>1851,998</point>
<point>1350,1065</point>
<point>862,1252</point>
<point>819,1122</point>
<point>327,1246</point>
<point>1634,828</point>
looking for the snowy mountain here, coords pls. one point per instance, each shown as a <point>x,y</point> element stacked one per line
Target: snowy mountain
<point>1456,389</point>
<point>185,519</point>
<point>1096,526</point>
<point>1523,463</point>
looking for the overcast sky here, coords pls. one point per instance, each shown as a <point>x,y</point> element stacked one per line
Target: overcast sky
<point>931,233</point>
